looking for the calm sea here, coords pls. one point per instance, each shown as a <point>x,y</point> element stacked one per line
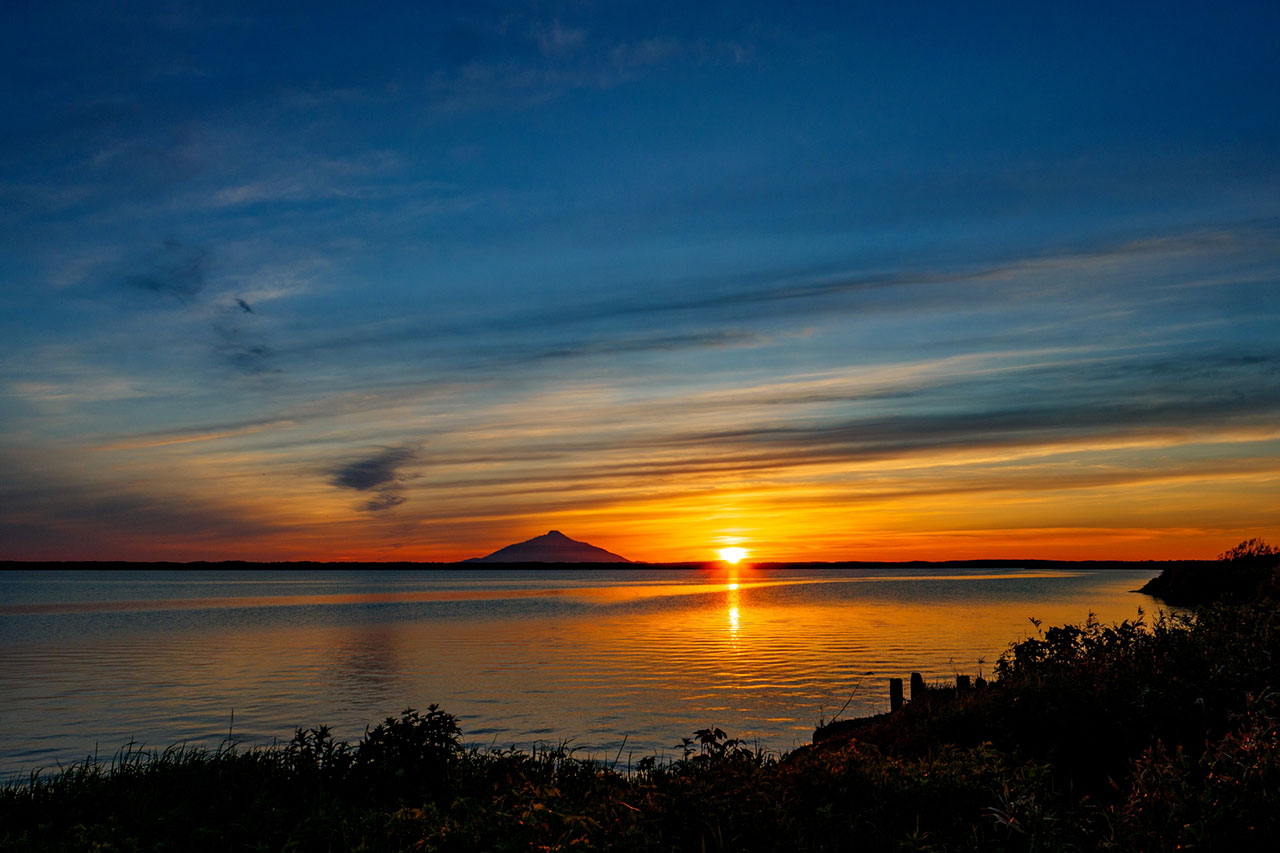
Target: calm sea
<point>92,660</point>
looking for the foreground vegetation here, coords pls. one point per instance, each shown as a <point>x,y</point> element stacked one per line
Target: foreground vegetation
<point>1128,737</point>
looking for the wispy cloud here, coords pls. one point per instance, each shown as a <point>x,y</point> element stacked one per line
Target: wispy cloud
<point>382,501</point>
<point>174,271</point>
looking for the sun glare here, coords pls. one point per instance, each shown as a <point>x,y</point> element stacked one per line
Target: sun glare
<point>733,555</point>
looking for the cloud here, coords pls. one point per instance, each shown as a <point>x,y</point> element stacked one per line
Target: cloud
<point>986,415</point>
<point>784,293</point>
<point>377,471</point>
<point>249,359</point>
<point>640,344</point>
<point>503,356</point>
<point>174,271</point>
<point>178,272</point>
<point>244,352</point>
<point>1082,400</point>
<point>382,501</point>
<point>786,296</point>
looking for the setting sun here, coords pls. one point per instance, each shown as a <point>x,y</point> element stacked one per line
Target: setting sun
<point>732,555</point>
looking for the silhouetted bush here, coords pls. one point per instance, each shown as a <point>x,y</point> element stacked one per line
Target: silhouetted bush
<point>409,757</point>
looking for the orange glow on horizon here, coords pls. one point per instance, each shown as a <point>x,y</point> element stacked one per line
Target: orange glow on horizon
<point>933,507</point>
<point>252,493</point>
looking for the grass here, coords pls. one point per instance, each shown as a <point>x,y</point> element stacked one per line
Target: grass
<point>1091,737</point>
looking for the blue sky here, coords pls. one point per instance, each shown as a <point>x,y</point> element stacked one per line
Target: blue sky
<point>859,281</point>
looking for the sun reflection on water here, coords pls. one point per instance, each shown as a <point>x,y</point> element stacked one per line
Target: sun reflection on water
<point>733,602</point>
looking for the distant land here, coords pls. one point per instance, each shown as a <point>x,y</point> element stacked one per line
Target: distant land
<point>551,547</point>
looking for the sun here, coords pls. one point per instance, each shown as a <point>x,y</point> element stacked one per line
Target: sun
<point>733,555</point>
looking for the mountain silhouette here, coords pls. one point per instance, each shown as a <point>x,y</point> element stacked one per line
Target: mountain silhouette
<point>551,547</point>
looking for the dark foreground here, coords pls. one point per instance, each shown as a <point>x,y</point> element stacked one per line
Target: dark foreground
<point>1130,737</point>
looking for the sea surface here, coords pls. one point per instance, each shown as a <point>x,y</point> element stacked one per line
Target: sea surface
<point>620,664</point>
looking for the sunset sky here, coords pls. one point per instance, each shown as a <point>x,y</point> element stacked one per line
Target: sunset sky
<point>867,281</point>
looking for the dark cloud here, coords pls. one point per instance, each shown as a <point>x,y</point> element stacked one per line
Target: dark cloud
<point>382,501</point>
<point>372,472</point>
<point>380,474</point>
<point>173,271</point>
<point>244,306</point>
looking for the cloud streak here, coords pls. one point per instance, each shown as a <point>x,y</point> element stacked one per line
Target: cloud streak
<point>174,271</point>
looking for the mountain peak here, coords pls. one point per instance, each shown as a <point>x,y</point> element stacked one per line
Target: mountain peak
<point>551,547</point>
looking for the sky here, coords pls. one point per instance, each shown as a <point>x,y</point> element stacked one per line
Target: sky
<point>851,281</point>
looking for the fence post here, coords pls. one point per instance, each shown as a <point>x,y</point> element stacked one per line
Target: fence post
<point>895,694</point>
<point>917,686</point>
<point>962,685</point>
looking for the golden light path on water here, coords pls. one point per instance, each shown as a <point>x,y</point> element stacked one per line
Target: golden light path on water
<point>92,662</point>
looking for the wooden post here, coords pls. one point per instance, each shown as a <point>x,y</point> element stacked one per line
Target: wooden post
<point>917,686</point>
<point>979,682</point>
<point>895,694</point>
<point>962,685</point>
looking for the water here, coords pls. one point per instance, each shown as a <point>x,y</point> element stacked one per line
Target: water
<point>92,660</point>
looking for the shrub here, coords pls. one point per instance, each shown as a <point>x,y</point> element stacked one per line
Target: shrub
<point>412,755</point>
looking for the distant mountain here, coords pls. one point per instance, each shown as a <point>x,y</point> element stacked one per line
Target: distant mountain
<point>551,547</point>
